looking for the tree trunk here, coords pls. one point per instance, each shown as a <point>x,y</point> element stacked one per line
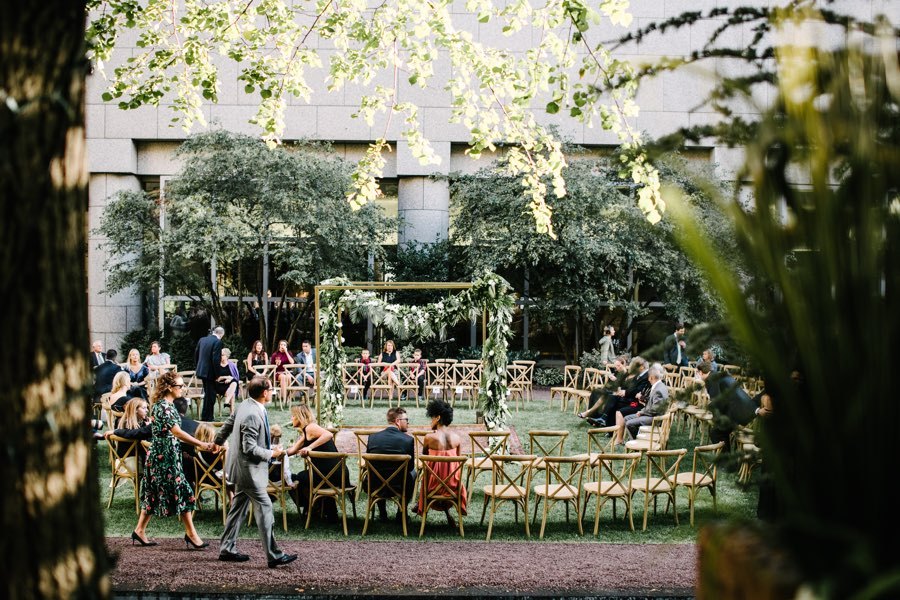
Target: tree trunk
<point>52,544</point>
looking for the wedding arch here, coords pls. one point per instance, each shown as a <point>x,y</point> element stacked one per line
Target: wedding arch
<point>490,295</point>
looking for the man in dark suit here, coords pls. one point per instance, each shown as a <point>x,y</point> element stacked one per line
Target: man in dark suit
<point>207,357</point>
<point>394,440</point>
<point>97,356</point>
<point>729,403</point>
<point>676,347</point>
<point>105,373</point>
<point>627,398</point>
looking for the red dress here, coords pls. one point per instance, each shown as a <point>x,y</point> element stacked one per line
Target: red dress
<point>431,482</point>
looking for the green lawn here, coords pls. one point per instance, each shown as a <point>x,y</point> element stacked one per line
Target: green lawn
<point>733,502</point>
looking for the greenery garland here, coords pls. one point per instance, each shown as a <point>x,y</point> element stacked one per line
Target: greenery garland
<point>490,293</point>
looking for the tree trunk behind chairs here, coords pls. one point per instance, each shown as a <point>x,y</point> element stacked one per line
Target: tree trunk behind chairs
<point>52,543</point>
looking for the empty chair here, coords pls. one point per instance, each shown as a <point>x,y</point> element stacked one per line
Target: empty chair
<point>511,477</point>
<point>517,385</point>
<point>615,473</point>
<point>560,487</point>
<point>529,377</point>
<point>592,379</point>
<point>704,469</point>
<point>483,445</point>
<point>548,442</point>
<point>660,478</point>
<point>571,373</point>
<point>124,465</point>
<point>657,438</point>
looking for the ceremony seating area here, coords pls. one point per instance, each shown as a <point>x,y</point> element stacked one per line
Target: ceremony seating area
<point>562,472</point>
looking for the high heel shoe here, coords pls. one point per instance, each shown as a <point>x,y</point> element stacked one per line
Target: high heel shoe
<point>136,538</point>
<point>189,541</point>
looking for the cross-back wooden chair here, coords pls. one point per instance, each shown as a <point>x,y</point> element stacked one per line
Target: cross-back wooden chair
<point>112,415</point>
<point>192,390</point>
<point>660,479</point>
<point>571,373</point>
<point>511,482</point>
<point>483,445</point>
<point>529,377</point>
<point>599,440</point>
<point>704,469</point>
<point>698,414</point>
<point>409,382</point>
<point>673,380</point>
<point>559,487</point>
<point>546,442</point>
<point>322,483</point>
<point>466,378</point>
<point>615,474</point>
<point>440,381</point>
<point>443,485</point>
<point>657,438</point>
<point>591,379</point>
<point>354,381</point>
<point>292,382</point>
<point>362,446</point>
<point>385,479</point>
<point>517,384</point>
<point>124,465</point>
<point>382,382</point>
<point>210,477</point>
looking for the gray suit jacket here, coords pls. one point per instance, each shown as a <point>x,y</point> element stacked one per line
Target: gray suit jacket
<point>247,461</point>
<point>657,402</point>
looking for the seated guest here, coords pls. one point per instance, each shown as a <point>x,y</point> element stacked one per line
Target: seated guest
<point>394,440</point>
<point>316,438</point>
<point>156,359</point>
<point>138,372</point>
<point>442,442</point>
<point>282,357</point>
<point>389,355</point>
<point>710,357</point>
<point>119,395</point>
<point>656,402</point>
<point>366,360</point>
<point>421,369</point>
<point>256,358</point>
<point>105,373</point>
<point>625,399</point>
<point>307,358</point>
<point>227,379</point>
<point>134,425</point>
<point>188,425</point>
<point>205,433</point>
<point>598,397</point>
<point>97,356</point>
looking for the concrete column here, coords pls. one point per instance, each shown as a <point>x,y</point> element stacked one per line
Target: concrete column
<point>424,206</point>
<point>110,316</point>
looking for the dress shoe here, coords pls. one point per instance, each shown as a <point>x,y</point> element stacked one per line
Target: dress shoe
<point>136,538</point>
<point>190,543</point>
<point>285,559</point>
<point>226,556</point>
<point>597,422</point>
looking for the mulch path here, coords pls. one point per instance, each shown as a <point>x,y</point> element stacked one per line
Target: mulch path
<point>467,568</point>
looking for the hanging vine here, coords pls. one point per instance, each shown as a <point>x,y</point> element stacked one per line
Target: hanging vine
<point>490,293</point>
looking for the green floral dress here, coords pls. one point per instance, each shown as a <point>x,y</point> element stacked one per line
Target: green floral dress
<point>165,491</point>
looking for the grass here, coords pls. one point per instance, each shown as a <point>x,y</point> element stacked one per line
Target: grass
<point>733,502</point>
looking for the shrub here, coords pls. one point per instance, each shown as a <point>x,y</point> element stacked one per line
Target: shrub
<point>547,377</point>
<point>591,359</point>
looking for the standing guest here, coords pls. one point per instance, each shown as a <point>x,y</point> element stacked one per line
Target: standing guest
<point>119,395</point>
<point>134,424</point>
<point>655,405</point>
<point>165,490</point>
<point>729,403</point>
<point>394,440</point>
<point>138,372</point>
<point>97,356</point>
<point>442,442</point>
<point>247,468</point>
<point>207,356</point>
<point>606,347</point>
<point>366,360</point>
<point>256,358</point>
<point>389,355</point>
<point>105,373</point>
<point>675,347</point>
<point>156,359</point>
<point>314,437</point>
<point>282,357</point>
<point>227,379</point>
<point>307,358</point>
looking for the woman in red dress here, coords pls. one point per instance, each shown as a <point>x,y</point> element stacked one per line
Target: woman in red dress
<point>442,442</point>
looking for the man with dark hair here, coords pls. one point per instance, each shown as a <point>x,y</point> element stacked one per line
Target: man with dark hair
<point>188,425</point>
<point>675,347</point>
<point>247,467</point>
<point>307,358</point>
<point>208,356</point>
<point>393,439</point>
<point>729,403</point>
<point>105,373</point>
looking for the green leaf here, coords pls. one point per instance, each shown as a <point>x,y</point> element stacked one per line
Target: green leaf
<point>552,108</point>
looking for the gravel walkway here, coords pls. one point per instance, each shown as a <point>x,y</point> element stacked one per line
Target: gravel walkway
<point>464,568</point>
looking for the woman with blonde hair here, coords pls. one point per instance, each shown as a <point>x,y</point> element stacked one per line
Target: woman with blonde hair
<point>165,491</point>
<point>314,437</point>
<point>134,424</point>
<point>138,372</point>
<point>119,395</point>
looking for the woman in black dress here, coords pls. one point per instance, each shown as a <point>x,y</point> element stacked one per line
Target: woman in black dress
<point>389,355</point>
<point>318,439</point>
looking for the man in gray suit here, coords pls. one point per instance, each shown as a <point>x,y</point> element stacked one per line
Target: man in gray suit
<point>657,399</point>
<point>207,357</point>
<point>247,467</point>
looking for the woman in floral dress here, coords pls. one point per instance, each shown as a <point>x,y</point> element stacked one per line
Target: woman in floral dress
<point>165,491</point>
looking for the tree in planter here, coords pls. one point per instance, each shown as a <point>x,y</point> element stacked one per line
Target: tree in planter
<point>818,315</point>
<point>234,200</point>
<point>604,251</point>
